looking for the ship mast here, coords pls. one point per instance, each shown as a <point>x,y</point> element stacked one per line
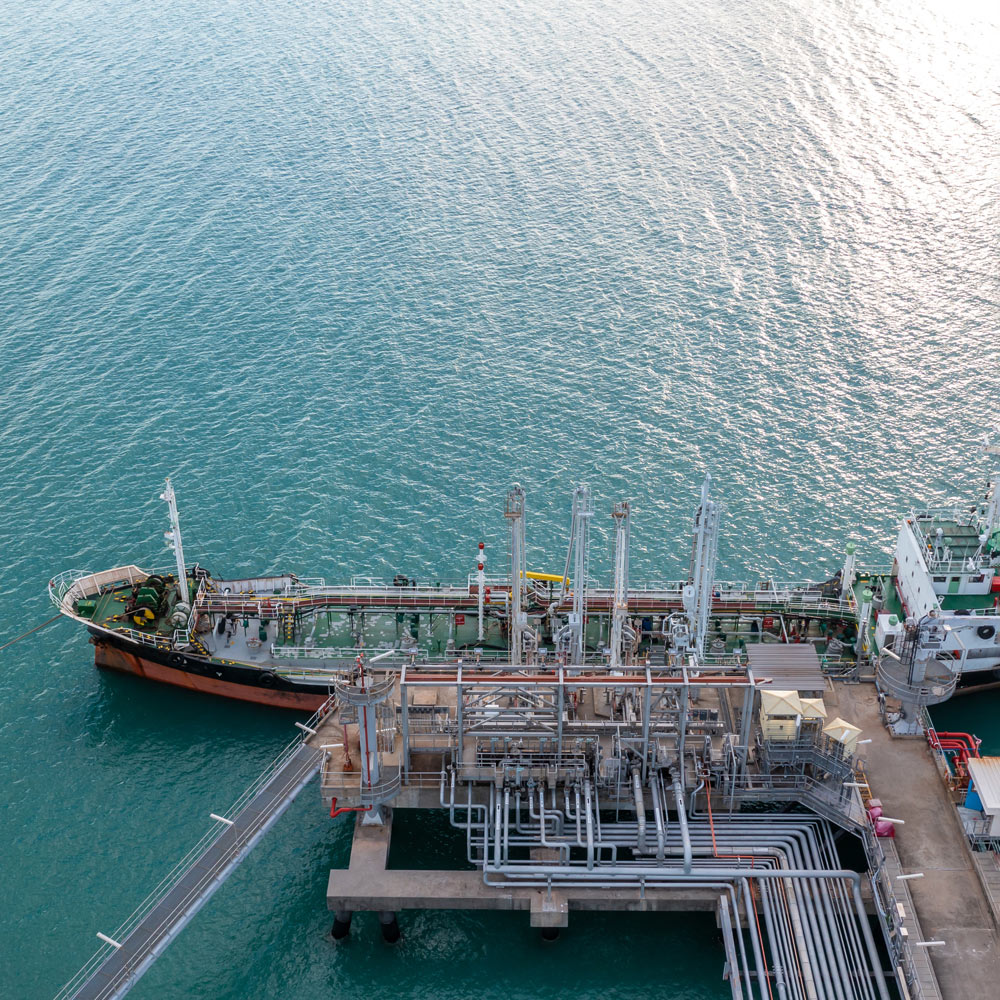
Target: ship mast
<point>173,538</point>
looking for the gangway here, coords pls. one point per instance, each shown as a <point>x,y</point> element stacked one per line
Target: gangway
<point>133,948</point>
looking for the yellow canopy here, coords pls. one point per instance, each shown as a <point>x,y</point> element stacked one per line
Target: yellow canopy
<point>842,731</point>
<point>780,703</point>
<point>813,708</point>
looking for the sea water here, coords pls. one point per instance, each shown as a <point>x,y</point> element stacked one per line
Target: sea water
<point>346,271</point>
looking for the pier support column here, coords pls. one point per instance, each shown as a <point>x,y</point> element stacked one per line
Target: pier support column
<point>341,924</point>
<point>390,926</point>
<point>550,912</point>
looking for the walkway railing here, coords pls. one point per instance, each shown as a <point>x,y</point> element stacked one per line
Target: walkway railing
<point>138,942</point>
<point>836,802</point>
<point>893,680</point>
<point>895,908</point>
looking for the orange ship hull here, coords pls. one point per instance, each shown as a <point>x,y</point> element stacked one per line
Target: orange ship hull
<point>209,681</point>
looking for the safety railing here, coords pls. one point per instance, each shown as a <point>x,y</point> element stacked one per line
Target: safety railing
<point>346,653</point>
<point>821,751</point>
<point>437,741</point>
<point>71,585</point>
<point>395,656</point>
<point>985,842</point>
<point>423,779</point>
<point>979,829</point>
<point>341,783</point>
<point>838,803</point>
<point>175,875</point>
<point>351,786</point>
<point>805,594</point>
<point>374,689</point>
<point>894,906</point>
<point>894,681</point>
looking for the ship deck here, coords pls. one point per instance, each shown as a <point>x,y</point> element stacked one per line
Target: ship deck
<point>306,634</point>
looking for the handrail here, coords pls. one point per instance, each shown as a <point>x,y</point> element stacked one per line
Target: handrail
<point>174,876</point>
<point>794,596</point>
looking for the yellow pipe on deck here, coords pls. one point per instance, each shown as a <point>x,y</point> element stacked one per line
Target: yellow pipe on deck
<point>547,577</point>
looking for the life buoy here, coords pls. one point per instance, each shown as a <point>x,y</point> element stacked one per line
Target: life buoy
<point>986,631</point>
<point>268,679</point>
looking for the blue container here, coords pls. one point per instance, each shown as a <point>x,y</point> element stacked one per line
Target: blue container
<point>972,800</point>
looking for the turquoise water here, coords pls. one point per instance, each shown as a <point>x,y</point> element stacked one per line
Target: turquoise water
<point>976,713</point>
<point>347,270</point>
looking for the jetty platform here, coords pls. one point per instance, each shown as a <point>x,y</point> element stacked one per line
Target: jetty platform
<point>949,901</point>
<point>369,885</point>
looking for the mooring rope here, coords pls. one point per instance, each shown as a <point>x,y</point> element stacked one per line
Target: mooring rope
<point>30,630</point>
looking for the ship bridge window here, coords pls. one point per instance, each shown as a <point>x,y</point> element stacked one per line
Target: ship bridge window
<point>956,579</point>
<point>976,579</point>
<point>940,579</point>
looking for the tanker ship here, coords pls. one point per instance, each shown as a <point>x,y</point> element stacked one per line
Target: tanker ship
<point>918,625</point>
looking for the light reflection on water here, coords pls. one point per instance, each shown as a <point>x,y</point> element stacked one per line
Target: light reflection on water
<point>346,272</point>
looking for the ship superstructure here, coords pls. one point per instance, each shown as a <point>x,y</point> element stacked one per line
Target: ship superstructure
<point>936,616</point>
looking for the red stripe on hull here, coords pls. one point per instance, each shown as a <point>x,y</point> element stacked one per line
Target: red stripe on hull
<point>128,663</point>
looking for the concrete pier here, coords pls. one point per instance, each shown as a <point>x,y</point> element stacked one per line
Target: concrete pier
<point>949,900</point>
<point>948,903</point>
<point>368,885</point>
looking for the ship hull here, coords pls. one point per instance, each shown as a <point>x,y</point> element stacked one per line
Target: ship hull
<point>233,681</point>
